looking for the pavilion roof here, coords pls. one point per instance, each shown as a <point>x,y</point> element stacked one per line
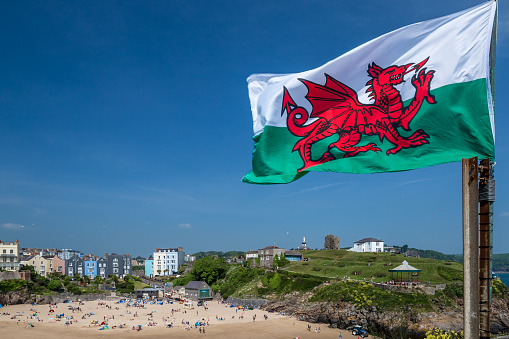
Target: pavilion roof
<point>405,267</point>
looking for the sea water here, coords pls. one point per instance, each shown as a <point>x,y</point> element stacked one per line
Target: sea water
<point>504,277</point>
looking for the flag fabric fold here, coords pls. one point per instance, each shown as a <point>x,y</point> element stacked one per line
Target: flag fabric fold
<point>415,97</point>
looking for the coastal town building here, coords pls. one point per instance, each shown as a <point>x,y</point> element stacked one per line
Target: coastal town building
<point>9,256</point>
<point>167,261</point>
<point>43,265</point>
<point>149,293</point>
<point>58,264</point>
<point>119,265</point>
<point>368,245</point>
<point>331,242</point>
<point>101,268</point>
<point>47,252</point>
<point>68,253</point>
<point>293,256</point>
<point>26,260</point>
<point>268,253</point>
<point>149,268</point>
<point>74,266</point>
<point>90,267</point>
<point>198,290</point>
<point>251,255</point>
<point>189,258</point>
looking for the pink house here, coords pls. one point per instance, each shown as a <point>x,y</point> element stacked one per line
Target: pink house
<point>58,265</point>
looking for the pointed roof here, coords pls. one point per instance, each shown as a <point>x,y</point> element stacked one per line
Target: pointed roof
<point>405,267</point>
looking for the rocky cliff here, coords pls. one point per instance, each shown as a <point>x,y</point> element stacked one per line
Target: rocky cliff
<point>20,296</point>
<point>405,323</point>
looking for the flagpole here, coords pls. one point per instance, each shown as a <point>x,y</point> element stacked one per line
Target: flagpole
<point>470,247</point>
<point>486,198</point>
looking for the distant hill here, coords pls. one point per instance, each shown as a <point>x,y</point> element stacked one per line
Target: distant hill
<point>430,254</point>
<point>220,254</point>
<point>501,262</point>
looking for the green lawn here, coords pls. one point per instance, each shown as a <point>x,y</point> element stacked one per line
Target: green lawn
<point>138,285</point>
<point>334,264</point>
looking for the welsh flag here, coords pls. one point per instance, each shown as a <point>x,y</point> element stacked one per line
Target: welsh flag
<point>419,96</point>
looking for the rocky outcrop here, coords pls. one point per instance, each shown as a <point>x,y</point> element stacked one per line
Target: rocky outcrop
<point>405,323</point>
<point>20,296</point>
<point>249,303</point>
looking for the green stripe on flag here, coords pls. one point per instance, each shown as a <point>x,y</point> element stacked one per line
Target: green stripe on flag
<point>461,113</point>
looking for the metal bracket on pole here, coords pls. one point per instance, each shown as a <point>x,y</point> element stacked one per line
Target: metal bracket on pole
<point>470,247</point>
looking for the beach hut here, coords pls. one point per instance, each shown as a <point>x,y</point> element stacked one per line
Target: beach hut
<point>198,290</point>
<point>412,273</point>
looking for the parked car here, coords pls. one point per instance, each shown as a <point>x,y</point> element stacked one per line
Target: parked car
<point>357,330</point>
<point>200,303</point>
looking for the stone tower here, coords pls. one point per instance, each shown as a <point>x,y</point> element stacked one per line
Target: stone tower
<point>331,242</point>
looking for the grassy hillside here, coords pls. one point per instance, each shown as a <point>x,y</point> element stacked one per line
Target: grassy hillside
<point>342,263</point>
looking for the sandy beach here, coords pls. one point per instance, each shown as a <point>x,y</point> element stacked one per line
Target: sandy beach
<point>102,318</point>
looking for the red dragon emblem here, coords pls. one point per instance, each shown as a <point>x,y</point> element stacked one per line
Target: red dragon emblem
<point>337,110</point>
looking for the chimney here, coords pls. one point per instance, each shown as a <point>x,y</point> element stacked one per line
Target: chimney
<point>17,241</point>
<point>106,255</point>
<point>180,249</point>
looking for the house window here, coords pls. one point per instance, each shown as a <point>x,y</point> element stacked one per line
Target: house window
<point>5,251</point>
<point>12,251</point>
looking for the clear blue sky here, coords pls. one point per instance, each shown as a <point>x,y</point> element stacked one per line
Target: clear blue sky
<point>126,126</point>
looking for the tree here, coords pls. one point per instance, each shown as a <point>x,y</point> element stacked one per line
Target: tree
<point>54,285</point>
<point>209,269</point>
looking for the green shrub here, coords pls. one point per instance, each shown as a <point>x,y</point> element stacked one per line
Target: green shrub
<point>364,294</point>
<point>74,289</point>
<point>499,289</point>
<point>12,285</point>
<point>54,285</point>
<point>453,290</point>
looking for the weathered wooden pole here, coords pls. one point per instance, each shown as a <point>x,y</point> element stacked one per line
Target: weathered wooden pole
<point>470,248</point>
<point>486,198</point>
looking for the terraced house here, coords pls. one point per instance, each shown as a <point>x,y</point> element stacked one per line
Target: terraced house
<point>9,256</point>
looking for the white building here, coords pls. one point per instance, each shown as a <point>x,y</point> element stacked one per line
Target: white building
<point>368,245</point>
<point>251,254</point>
<point>9,256</point>
<point>167,261</point>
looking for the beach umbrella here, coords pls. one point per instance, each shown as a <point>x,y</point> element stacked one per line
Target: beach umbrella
<point>197,323</point>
